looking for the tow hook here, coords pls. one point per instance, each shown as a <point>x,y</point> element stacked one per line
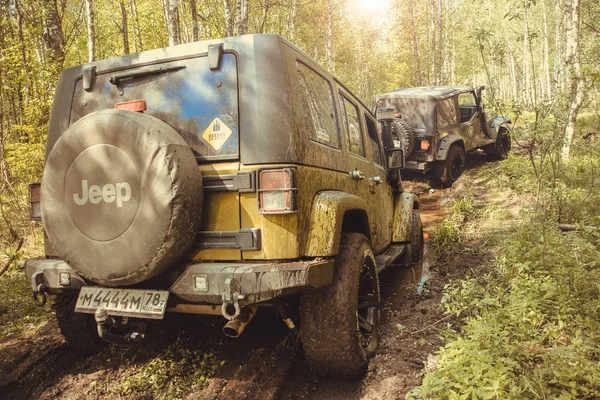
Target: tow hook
<point>236,326</point>
<point>105,323</point>
<point>39,289</point>
<point>39,298</point>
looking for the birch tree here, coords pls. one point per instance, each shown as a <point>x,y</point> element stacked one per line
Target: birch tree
<point>172,23</point>
<point>575,81</point>
<point>89,11</point>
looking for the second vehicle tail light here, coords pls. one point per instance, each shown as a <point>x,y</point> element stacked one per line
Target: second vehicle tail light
<point>276,191</point>
<point>34,201</point>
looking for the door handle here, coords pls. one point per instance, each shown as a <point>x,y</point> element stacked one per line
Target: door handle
<point>357,175</point>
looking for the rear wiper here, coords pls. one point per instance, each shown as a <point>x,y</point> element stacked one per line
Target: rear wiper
<point>116,79</point>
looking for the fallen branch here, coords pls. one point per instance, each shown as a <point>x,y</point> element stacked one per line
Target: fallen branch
<point>12,258</point>
<point>573,227</point>
<point>432,325</point>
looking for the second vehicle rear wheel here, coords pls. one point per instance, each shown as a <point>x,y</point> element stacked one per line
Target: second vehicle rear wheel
<point>446,172</point>
<point>339,324</point>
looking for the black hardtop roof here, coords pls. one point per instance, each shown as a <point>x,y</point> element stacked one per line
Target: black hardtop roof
<point>437,92</point>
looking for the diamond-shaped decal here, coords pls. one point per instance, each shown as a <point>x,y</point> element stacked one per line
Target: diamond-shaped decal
<point>216,134</point>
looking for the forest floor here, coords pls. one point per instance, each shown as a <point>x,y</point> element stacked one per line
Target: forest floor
<point>187,359</point>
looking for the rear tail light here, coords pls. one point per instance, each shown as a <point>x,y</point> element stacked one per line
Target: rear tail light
<point>34,201</point>
<point>276,191</point>
<point>424,145</point>
<point>133,105</point>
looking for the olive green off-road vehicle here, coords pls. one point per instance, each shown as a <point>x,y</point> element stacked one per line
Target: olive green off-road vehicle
<point>438,125</point>
<point>212,178</point>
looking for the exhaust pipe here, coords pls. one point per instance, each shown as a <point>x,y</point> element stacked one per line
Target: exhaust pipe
<point>235,327</point>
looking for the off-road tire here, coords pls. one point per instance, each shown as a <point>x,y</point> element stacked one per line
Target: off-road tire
<point>446,172</point>
<point>329,328</point>
<point>499,151</point>
<point>79,330</point>
<point>406,134</point>
<point>416,239</point>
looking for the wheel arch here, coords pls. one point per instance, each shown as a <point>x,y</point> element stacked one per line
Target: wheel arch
<point>498,123</point>
<point>445,145</point>
<point>332,213</point>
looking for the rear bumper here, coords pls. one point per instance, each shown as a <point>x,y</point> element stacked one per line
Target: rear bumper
<point>208,283</point>
<point>417,165</point>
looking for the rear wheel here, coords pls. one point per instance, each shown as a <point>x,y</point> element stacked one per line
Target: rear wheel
<point>340,323</point>
<point>446,172</point>
<point>79,330</point>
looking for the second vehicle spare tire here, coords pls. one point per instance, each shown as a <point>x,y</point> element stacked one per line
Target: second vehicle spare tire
<point>121,196</point>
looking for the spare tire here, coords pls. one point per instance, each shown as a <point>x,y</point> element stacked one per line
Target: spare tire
<point>405,134</point>
<point>121,196</point>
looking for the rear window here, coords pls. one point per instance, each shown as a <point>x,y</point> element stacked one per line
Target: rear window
<point>447,115</point>
<point>202,105</point>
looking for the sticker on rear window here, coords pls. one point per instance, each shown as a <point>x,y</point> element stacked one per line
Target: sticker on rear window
<point>216,134</point>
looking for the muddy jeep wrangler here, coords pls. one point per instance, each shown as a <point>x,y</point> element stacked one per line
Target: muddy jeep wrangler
<point>437,126</point>
<point>212,178</point>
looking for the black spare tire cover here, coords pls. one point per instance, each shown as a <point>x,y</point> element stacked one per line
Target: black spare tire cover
<point>121,196</point>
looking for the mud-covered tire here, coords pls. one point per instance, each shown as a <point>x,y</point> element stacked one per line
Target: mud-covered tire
<point>79,330</point>
<point>332,338</point>
<point>406,134</point>
<point>446,172</point>
<point>501,149</point>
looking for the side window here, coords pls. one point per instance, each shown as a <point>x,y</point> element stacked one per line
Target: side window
<point>317,101</point>
<point>466,100</point>
<point>447,113</point>
<point>374,140</point>
<point>352,127</point>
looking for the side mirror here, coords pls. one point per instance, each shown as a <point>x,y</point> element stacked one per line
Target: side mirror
<point>395,159</point>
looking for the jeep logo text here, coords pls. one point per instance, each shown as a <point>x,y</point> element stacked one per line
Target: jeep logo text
<point>107,193</point>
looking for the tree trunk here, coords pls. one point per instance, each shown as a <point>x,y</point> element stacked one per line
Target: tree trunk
<point>573,67</point>
<point>91,40</point>
<point>53,34</point>
<point>173,23</point>
<point>526,75</point>
<point>329,44</point>
<point>292,20</point>
<point>238,17</point>
<point>546,54</point>
<point>263,21</point>
<point>195,28</point>
<point>228,21</point>
<point>418,79</point>
<point>534,94</point>
<point>245,16</point>
<point>124,28</point>
<point>138,33</point>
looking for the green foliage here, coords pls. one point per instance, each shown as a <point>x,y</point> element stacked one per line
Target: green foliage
<point>531,318</point>
<point>17,309</point>
<point>176,371</point>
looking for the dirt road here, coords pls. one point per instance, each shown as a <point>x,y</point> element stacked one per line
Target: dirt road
<point>263,363</point>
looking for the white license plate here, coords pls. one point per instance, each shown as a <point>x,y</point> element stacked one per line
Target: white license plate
<point>123,302</point>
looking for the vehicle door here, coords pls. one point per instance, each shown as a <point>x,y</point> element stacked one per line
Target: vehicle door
<point>470,120</point>
<point>382,204</point>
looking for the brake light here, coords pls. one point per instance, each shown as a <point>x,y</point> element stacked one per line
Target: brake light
<point>424,145</point>
<point>34,201</point>
<point>133,105</point>
<point>276,191</point>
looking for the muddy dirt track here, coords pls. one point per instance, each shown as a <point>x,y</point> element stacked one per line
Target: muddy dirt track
<point>265,362</point>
